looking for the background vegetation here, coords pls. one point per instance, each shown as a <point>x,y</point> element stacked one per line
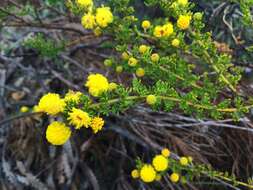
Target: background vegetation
<point>44,48</point>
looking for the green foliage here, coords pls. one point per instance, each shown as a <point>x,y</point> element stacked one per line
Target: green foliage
<point>45,47</point>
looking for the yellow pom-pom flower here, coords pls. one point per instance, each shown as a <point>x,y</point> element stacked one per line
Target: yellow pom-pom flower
<point>72,96</point>
<point>160,163</point>
<point>140,72</point>
<point>165,152</point>
<point>147,173</point>
<point>135,174</point>
<point>183,22</point>
<point>174,177</point>
<point>97,31</point>
<point>112,86</point>
<point>97,84</point>
<point>79,118</point>
<point>104,16</point>
<point>158,31</point>
<point>182,2</point>
<point>168,29</point>
<point>184,161</point>
<point>97,124</point>
<point>119,69</point>
<point>57,133</point>
<point>163,31</point>
<point>155,57</point>
<point>125,56</point>
<point>88,21</point>
<point>51,103</point>
<point>132,62</point>
<point>24,109</point>
<point>175,42</point>
<point>143,49</point>
<point>85,3</point>
<point>151,99</point>
<point>145,24</point>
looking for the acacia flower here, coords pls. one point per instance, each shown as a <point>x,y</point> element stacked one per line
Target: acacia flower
<point>183,22</point>
<point>135,174</point>
<point>24,109</point>
<point>184,161</point>
<point>51,103</point>
<point>97,124</point>
<point>132,62</point>
<point>155,57</point>
<point>182,2</point>
<point>160,163</point>
<point>147,173</point>
<point>88,21</point>
<point>145,24</point>
<point>151,99</point>
<point>140,72</point>
<point>143,49</point>
<point>85,3</point>
<point>168,29</point>
<point>58,133</point>
<point>174,177</point>
<point>175,42</point>
<point>104,16</point>
<point>165,152</point>
<point>72,96</point>
<point>97,84</point>
<point>79,118</point>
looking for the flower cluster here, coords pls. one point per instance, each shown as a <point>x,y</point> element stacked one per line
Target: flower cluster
<point>70,109</point>
<point>162,165</point>
<point>95,18</point>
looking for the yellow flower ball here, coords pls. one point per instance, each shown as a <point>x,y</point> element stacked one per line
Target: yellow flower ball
<point>24,109</point>
<point>159,31</point>
<point>160,163</point>
<point>51,103</point>
<point>97,32</point>
<point>119,69</point>
<point>140,72</point>
<point>184,161</point>
<point>73,96</point>
<point>57,133</point>
<point>145,24</point>
<point>168,29</point>
<point>183,22</point>
<point>132,62</point>
<point>97,84</point>
<point>108,62</point>
<point>125,56</point>
<point>174,177</point>
<point>165,152</point>
<point>85,3</point>
<point>112,86</point>
<point>97,124</point>
<point>88,21</point>
<point>155,57</point>
<point>135,174</point>
<point>79,118</point>
<point>143,49</point>
<point>190,159</point>
<point>158,177</point>
<point>36,109</point>
<point>147,173</point>
<point>104,16</point>
<point>151,99</point>
<point>175,43</point>
<point>182,2</point>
